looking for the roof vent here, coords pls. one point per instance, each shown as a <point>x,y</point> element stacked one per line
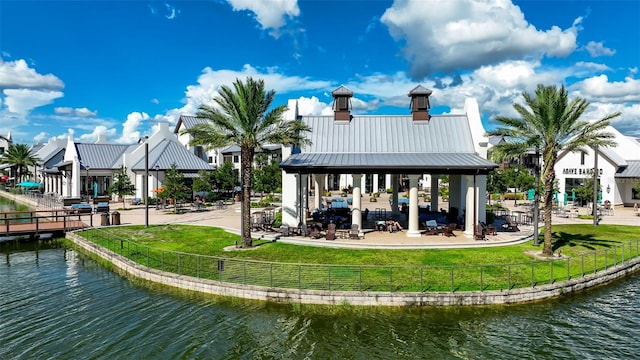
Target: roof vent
<point>420,103</point>
<point>342,103</point>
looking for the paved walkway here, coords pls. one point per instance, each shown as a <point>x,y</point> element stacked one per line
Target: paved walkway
<point>229,219</point>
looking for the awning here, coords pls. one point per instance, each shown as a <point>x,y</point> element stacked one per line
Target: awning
<point>392,163</point>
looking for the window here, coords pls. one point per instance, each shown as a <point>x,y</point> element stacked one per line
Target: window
<point>582,158</point>
<point>635,194</point>
<point>343,103</point>
<point>422,102</point>
<point>236,158</point>
<point>210,160</point>
<point>227,158</point>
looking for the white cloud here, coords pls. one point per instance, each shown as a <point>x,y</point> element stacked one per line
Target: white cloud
<point>172,12</point>
<point>313,106</point>
<point>22,101</point>
<point>17,74</point>
<point>596,49</point>
<point>270,14</point>
<point>97,131</point>
<point>41,137</point>
<point>63,110</point>
<point>130,132</point>
<point>600,89</point>
<point>84,112</point>
<point>465,34</point>
<point>81,112</point>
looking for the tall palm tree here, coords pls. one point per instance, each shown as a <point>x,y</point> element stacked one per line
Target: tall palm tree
<point>242,117</point>
<point>550,123</point>
<point>20,157</point>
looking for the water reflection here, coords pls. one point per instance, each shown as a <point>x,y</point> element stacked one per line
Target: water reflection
<point>57,304</point>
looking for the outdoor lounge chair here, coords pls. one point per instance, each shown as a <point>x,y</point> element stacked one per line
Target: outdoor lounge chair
<point>448,230</point>
<point>511,225</point>
<point>433,228</point>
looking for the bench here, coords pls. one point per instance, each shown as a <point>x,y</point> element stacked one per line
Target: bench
<point>102,207</point>
<point>100,199</point>
<point>82,208</point>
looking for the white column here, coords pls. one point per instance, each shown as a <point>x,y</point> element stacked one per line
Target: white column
<point>388,183</point>
<point>414,226</point>
<point>289,199</point>
<point>75,178</point>
<point>318,190</point>
<point>434,192</point>
<point>471,199</point>
<point>356,211</point>
<point>374,183</point>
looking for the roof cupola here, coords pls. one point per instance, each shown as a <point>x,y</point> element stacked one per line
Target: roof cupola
<point>342,103</point>
<point>420,103</point>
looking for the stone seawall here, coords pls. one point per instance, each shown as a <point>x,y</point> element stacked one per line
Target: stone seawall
<point>362,298</point>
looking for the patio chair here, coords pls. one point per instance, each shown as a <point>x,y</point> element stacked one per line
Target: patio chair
<point>354,233</point>
<point>284,230</point>
<point>314,232</point>
<point>448,230</point>
<point>432,226</point>
<point>478,233</point>
<point>331,232</point>
<point>511,225</point>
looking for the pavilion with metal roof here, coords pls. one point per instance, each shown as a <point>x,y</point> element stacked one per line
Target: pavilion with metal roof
<point>409,145</point>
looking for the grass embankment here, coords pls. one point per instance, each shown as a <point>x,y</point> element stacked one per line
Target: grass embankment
<point>585,249</point>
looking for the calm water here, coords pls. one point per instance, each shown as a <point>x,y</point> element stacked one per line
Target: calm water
<point>55,304</point>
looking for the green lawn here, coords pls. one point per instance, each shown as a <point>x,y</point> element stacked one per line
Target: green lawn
<point>199,251</point>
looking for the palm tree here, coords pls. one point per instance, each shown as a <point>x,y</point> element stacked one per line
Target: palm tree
<point>550,123</point>
<point>20,157</point>
<point>242,117</point>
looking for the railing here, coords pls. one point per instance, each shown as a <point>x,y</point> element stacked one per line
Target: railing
<point>39,220</point>
<point>391,278</point>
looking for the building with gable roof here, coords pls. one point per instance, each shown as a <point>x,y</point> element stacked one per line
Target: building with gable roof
<point>400,145</point>
<point>73,169</point>
<point>618,171</point>
<point>218,156</point>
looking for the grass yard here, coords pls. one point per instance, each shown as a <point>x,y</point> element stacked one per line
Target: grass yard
<point>199,251</point>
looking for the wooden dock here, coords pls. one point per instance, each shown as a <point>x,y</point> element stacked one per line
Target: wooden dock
<point>34,223</point>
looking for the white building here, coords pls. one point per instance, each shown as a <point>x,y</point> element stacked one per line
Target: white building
<point>618,170</point>
<point>74,169</point>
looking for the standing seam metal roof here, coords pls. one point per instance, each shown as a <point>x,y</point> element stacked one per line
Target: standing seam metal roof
<point>631,171</point>
<point>373,143</point>
<point>168,152</point>
<point>100,156</point>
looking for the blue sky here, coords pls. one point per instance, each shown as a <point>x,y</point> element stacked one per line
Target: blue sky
<point>118,68</point>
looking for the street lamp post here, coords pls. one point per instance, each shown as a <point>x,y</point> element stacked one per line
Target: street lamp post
<point>146,181</point>
<point>515,189</point>
<point>536,199</point>
<point>595,187</point>
<point>157,167</point>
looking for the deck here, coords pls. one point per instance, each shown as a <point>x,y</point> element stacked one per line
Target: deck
<point>33,223</point>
